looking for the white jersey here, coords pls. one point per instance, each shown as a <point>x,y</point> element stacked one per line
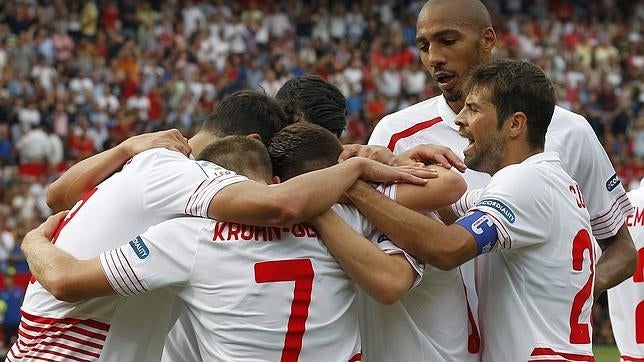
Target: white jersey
<point>154,186</point>
<point>434,317</point>
<point>253,293</point>
<point>537,283</point>
<point>626,301</point>
<point>569,134</point>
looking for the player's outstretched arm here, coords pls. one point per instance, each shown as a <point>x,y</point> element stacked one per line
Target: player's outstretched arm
<point>445,247</point>
<point>305,196</point>
<point>439,192</point>
<point>617,262</point>
<point>383,276</point>
<point>74,183</point>
<point>65,277</point>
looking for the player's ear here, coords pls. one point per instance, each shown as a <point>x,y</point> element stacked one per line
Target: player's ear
<point>255,136</point>
<point>488,39</point>
<point>276,180</point>
<point>517,124</point>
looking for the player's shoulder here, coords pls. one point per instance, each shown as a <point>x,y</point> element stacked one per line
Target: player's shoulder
<point>525,177</point>
<point>637,195</point>
<point>568,122</point>
<point>180,226</point>
<point>419,111</point>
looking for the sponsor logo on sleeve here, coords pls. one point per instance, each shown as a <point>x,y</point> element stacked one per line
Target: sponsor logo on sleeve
<point>612,183</point>
<point>140,249</point>
<point>500,207</point>
<point>213,170</point>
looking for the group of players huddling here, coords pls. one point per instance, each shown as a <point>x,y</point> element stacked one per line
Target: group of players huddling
<point>263,247</point>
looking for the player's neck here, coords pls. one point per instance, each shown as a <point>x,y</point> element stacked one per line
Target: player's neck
<point>199,141</point>
<point>456,106</point>
<point>517,153</point>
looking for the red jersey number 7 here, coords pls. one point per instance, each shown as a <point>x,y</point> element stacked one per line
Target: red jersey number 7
<point>301,272</point>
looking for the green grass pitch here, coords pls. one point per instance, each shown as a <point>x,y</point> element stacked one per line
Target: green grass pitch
<point>606,353</point>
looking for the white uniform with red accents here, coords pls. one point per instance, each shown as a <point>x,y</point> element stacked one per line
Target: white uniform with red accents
<point>569,134</point>
<point>155,186</point>
<point>432,321</point>
<point>536,287</point>
<point>626,301</point>
<point>253,293</point>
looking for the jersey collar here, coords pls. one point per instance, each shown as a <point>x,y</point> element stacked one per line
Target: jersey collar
<point>446,112</point>
<point>549,156</point>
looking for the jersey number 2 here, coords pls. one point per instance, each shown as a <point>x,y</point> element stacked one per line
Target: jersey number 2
<point>639,310</point>
<point>301,272</point>
<point>580,332</point>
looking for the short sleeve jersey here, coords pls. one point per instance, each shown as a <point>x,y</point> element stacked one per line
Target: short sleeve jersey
<point>184,340</point>
<point>433,319</point>
<point>154,186</point>
<point>537,282</point>
<point>252,293</point>
<point>626,301</point>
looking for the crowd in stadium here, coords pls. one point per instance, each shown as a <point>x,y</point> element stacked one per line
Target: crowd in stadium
<point>77,78</point>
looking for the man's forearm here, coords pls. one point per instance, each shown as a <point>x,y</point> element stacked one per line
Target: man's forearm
<point>618,260</point>
<point>430,241</point>
<point>298,199</point>
<point>385,277</point>
<point>63,193</point>
<point>85,175</point>
<point>48,264</point>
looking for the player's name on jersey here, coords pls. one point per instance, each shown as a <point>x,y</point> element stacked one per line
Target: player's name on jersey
<point>636,218</point>
<point>225,231</point>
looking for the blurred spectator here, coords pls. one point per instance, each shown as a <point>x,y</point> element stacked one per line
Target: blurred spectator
<point>34,146</point>
<point>12,296</point>
<point>6,244</point>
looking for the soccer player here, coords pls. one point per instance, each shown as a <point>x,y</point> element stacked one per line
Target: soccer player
<point>310,98</point>
<point>453,37</point>
<point>537,282</point>
<point>155,186</point>
<point>234,315</point>
<point>625,300</point>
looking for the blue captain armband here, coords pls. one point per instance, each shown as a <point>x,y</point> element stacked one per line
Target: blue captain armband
<point>480,225</point>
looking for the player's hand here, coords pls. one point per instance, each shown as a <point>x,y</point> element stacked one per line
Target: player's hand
<point>374,171</point>
<point>430,154</point>
<point>377,153</point>
<point>171,139</point>
<point>46,230</point>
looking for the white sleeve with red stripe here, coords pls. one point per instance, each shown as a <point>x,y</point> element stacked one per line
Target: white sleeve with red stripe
<point>182,186</point>
<point>162,256</point>
<point>585,160</point>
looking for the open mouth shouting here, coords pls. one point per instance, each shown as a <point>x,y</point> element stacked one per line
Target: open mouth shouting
<point>445,80</point>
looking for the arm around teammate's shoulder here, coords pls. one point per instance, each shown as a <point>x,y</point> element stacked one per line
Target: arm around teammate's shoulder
<point>304,196</point>
<point>74,183</point>
<point>444,247</point>
<point>439,192</point>
<point>65,277</point>
<point>385,277</point>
